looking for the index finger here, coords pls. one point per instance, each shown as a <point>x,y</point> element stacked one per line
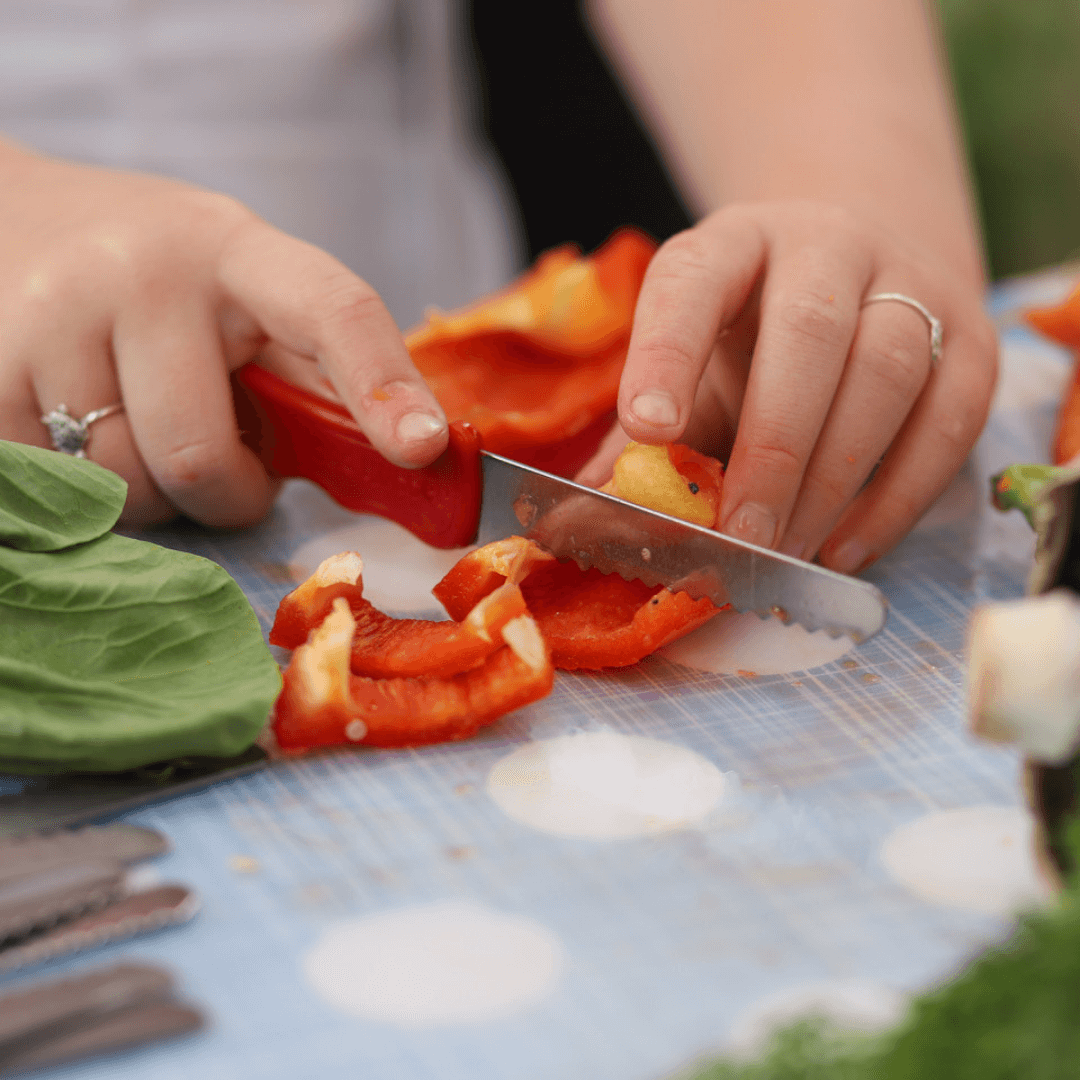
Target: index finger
<point>307,301</point>
<point>696,284</point>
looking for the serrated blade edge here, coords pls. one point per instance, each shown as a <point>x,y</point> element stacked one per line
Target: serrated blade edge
<point>615,536</point>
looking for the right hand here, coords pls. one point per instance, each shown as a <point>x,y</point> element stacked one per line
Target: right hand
<point>124,287</point>
<point>753,341</point>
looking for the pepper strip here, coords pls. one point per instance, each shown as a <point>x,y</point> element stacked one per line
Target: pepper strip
<point>592,620</point>
<point>588,619</point>
<point>384,647</point>
<point>1061,323</point>
<point>535,369</point>
<point>323,704</point>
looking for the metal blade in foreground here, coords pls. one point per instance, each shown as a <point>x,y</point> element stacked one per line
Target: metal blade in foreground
<point>594,529</point>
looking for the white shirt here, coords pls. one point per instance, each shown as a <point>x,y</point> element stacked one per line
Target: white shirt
<point>343,122</point>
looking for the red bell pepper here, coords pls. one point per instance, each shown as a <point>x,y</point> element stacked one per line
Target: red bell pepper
<point>367,678</point>
<point>358,675</point>
<point>1061,323</point>
<point>588,619</point>
<point>385,647</point>
<point>535,369</point>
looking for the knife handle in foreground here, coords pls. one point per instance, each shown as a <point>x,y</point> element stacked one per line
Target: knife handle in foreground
<point>298,434</point>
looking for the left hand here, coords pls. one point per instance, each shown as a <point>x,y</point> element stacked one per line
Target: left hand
<point>751,336</point>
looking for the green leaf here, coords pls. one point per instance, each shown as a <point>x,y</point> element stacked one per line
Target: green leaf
<point>49,501</point>
<point>117,653</point>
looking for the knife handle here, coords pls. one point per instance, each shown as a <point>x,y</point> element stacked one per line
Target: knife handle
<point>298,434</point>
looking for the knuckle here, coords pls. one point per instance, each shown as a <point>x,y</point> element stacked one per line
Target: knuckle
<point>63,277</point>
<point>812,218</point>
<point>736,227</point>
<point>181,245</point>
<point>205,213</point>
<point>667,354</point>
<point>959,427</point>
<point>216,206</point>
<point>901,361</point>
<point>189,466</point>
<point>686,254</point>
<point>771,457</point>
<point>840,222</point>
<point>193,215</point>
<point>810,315</point>
<point>348,305</point>
<point>828,486</point>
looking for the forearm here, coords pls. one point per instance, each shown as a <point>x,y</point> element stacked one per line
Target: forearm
<point>15,159</point>
<point>840,101</point>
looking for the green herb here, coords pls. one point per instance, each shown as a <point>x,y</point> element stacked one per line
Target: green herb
<point>115,653</point>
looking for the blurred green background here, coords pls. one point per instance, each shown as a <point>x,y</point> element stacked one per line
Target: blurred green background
<point>1016,70</point>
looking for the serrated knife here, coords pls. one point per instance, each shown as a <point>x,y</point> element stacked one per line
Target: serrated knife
<point>470,495</point>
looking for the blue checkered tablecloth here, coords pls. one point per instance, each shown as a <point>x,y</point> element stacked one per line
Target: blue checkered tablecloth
<point>667,939</point>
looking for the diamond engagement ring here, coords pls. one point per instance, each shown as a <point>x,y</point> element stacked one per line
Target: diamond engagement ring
<point>68,433</point>
<point>937,331</point>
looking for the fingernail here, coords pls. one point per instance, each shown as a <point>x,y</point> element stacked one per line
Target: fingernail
<point>417,427</point>
<point>848,557</point>
<point>655,408</point>
<point>752,523</point>
<point>794,548</point>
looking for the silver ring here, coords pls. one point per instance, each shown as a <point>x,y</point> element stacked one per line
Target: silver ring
<point>69,434</point>
<point>937,331</point>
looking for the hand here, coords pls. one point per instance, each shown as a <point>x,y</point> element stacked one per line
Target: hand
<point>118,286</point>
<point>750,336</point>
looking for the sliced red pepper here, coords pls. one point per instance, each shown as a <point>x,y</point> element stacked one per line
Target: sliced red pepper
<point>383,646</point>
<point>481,572</point>
<point>535,369</point>
<point>323,704</point>
<point>593,620</point>
<point>588,619</point>
<point>1061,323</point>
<point>304,609</point>
<point>359,676</point>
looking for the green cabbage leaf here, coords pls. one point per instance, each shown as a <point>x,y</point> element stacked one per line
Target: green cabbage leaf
<point>114,653</point>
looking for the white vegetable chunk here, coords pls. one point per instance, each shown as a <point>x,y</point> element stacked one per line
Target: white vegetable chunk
<point>1024,674</point>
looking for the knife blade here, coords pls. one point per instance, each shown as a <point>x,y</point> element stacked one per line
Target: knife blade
<point>615,536</point>
<point>471,495</point>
